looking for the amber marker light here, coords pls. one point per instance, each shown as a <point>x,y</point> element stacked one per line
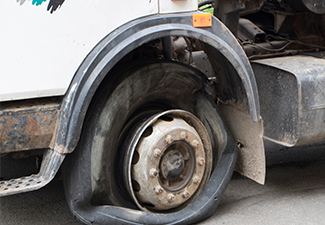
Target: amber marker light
<point>202,20</point>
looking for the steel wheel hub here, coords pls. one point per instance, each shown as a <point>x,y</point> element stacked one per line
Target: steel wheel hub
<point>169,157</point>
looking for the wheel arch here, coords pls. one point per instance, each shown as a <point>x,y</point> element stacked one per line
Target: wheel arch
<point>125,39</point>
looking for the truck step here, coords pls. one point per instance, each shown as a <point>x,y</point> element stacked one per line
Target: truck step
<point>50,165</point>
<point>14,186</point>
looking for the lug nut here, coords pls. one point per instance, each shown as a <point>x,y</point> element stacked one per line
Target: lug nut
<point>169,139</point>
<point>159,189</point>
<point>183,135</point>
<point>157,153</point>
<point>196,179</point>
<point>153,173</point>
<point>195,143</point>
<point>171,197</point>
<point>200,161</point>
<point>186,194</point>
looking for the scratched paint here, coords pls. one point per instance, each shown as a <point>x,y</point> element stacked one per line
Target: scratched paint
<point>51,7</point>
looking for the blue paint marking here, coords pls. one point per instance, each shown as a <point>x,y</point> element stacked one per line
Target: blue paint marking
<point>38,2</point>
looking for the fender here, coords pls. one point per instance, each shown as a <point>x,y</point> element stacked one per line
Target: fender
<point>125,39</point>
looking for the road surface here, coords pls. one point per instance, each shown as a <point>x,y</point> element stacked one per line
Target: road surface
<point>294,193</point>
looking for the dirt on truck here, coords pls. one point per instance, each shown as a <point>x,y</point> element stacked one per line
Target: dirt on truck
<point>147,107</point>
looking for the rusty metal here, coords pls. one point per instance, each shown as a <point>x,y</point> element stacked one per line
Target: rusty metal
<point>200,61</point>
<point>179,45</point>
<point>171,198</point>
<point>157,152</point>
<point>248,31</point>
<point>27,125</point>
<point>195,143</point>
<point>253,49</point>
<point>158,190</point>
<point>200,161</point>
<point>153,173</point>
<point>196,179</point>
<point>169,139</point>
<point>186,194</point>
<point>228,86</point>
<point>170,177</point>
<point>176,165</point>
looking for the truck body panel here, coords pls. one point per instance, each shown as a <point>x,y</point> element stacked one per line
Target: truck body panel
<point>47,48</point>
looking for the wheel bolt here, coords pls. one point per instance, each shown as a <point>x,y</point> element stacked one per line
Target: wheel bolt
<point>157,153</point>
<point>200,161</point>
<point>195,143</point>
<point>183,135</point>
<point>171,197</point>
<point>169,139</point>
<point>159,189</point>
<point>196,179</point>
<point>186,194</point>
<point>153,173</point>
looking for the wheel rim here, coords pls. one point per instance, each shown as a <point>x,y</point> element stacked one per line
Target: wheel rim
<point>169,160</point>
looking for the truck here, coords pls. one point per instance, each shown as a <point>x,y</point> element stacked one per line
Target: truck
<point>147,107</point>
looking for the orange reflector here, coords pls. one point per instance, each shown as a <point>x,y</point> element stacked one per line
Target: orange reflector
<point>202,20</point>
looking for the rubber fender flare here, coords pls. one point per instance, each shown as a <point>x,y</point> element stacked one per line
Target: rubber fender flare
<point>122,41</point>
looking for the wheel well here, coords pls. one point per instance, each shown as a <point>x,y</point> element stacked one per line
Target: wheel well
<point>229,63</point>
<point>106,148</point>
<point>223,81</point>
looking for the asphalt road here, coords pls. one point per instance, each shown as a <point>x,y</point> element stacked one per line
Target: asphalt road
<point>294,193</point>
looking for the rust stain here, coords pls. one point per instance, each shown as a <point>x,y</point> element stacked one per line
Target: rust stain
<point>32,127</point>
<point>27,129</point>
<point>52,143</point>
<point>1,134</point>
<point>242,105</point>
<point>61,149</point>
